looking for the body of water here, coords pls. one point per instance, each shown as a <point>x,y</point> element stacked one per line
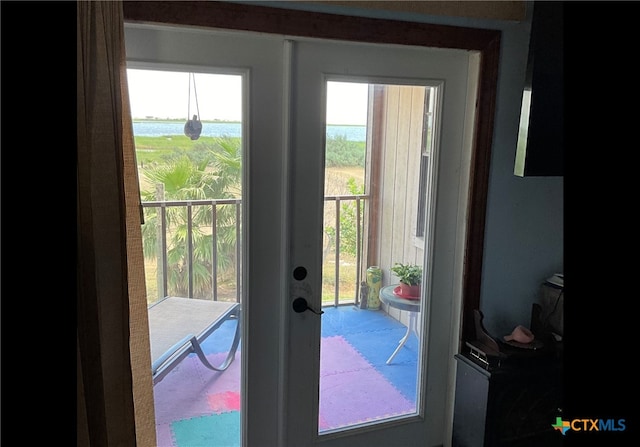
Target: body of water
<point>224,129</point>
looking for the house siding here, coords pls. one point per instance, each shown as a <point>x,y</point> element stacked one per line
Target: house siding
<point>395,201</point>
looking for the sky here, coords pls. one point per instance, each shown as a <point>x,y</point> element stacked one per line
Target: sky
<point>165,94</point>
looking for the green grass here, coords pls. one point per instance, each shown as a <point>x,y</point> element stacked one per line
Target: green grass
<point>347,280</point>
<point>155,149</point>
<point>340,152</point>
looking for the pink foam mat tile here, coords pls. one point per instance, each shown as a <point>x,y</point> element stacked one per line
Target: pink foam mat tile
<point>338,356</point>
<point>225,401</point>
<point>349,398</point>
<point>183,393</point>
<point>322,424</point>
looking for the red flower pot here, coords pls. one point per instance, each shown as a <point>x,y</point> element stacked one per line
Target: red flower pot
<point>408,290</point>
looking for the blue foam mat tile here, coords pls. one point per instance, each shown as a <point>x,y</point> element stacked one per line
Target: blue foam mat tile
<point>403,370</point>
<point>213,430</point>
<point>377,348</point>
<point>403,376</point>
<point>221,339</point>
<point>350,319</point>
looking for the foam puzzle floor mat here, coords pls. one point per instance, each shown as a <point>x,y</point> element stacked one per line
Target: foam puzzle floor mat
<point>199,407</point>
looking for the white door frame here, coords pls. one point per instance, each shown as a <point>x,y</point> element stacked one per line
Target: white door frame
<point>267,407</point>
<point>312,62</point>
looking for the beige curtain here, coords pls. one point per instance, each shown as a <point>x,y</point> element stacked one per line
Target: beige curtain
<point>114,385</point>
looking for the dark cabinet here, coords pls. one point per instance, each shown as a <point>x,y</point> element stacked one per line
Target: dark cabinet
<point>512,405</point>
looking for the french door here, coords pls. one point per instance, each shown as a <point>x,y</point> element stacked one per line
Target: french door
<point>313,65</point>
<point>285,91</point>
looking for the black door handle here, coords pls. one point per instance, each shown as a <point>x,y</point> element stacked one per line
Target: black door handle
<point>300,305</point>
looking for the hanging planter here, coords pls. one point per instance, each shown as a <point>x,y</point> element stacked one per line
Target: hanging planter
<point>193,126</point>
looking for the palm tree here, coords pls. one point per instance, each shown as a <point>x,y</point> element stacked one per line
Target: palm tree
<point>208,171</point>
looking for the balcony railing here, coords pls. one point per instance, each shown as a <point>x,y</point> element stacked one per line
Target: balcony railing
<point>335,217</point>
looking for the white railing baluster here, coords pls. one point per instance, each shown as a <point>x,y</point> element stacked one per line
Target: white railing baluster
<point>162,207</point>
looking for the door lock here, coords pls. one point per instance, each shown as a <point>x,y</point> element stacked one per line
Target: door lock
<point>300,305</point>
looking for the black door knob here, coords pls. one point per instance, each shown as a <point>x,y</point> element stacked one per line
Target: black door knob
<point>300,305</point>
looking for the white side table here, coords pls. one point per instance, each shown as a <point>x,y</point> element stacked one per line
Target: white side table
<point>412,306</point>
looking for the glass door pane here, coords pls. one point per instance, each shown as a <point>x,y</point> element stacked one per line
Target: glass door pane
<point>377,184</point>
<point>188,135</point>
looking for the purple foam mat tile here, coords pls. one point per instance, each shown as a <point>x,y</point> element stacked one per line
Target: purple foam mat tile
<point>378,349</point>
<point>352,397</point>
<point>177,391</point>
<point>183,392</point>
<point>322,424</point>
<point>402,371</point>
<point>164,436</point>
<point>338,356</point>
<point>216,381</point>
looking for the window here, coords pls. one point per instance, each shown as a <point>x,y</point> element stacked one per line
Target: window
<point>428,138</point>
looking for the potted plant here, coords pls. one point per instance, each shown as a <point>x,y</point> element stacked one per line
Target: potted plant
<point>410,276</point>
